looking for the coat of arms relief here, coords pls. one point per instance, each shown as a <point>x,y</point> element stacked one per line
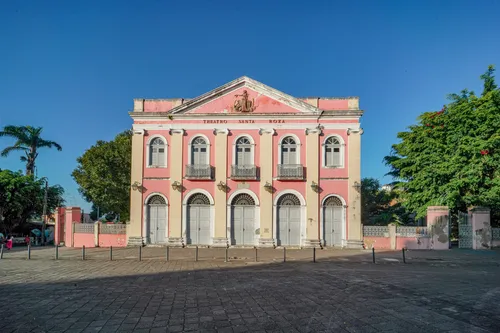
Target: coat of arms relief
<point>243,103</point>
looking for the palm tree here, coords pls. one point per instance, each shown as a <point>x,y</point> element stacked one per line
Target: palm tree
<point>29,141</point>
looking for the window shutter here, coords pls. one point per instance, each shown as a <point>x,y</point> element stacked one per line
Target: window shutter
<point>285,156</point>
<point>195,155</point>
<point>292,158</point>
<point>328,156</point>
<point>239,156</point>
<point>154,156</point>
<point>202,159</point>
<point>247,159</point>
<point>161,157</point>
<point>336,157</point>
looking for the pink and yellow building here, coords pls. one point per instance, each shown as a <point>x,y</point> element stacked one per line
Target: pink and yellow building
<point>246,165</point>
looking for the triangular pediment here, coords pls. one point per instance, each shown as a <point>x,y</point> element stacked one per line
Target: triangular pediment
<point>245,96</point>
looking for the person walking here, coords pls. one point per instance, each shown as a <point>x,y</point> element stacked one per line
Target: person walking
<point>27,240</point>
<point>9,242</point>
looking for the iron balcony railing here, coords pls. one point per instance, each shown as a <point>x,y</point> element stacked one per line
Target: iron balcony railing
<point>243,172</point>
<point>290,171</point>
<point>199,171</point>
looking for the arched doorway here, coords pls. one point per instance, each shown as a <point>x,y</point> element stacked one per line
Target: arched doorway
<point>198,220</point>
<point>333,211</point>
<point>242,220</point>
<point>288,220</point>
<point>156,226</point>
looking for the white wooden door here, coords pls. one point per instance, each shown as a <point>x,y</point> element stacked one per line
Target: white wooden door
<point>242,225</point>
<point>288,225</point>
<point>198,225</point>
<point>157,224</point>
<point>333,225</point>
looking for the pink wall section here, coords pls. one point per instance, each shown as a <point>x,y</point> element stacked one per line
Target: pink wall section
<point>378,242</point>
<point>333,104</point>
<point>84,239</point>
<point>107,240</point>
<point>225,103</point>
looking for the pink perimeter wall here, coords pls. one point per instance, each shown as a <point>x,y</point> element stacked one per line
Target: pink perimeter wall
<point>107,240</point>
<point>84,239</point>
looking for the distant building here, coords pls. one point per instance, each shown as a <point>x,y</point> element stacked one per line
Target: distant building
<point>246,165</point>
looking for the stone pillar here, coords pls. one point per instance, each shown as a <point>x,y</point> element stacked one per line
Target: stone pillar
<point>312,187</point>
<point>59,216</point>
<point>134,229</point>
<point>392,236</point>
<point>481,228</point>
<point>175,200</point>
<point>73,215</point>
<point>97,230</point>
<point>220,224</point>
<point>438,227</point>
<point>266,195</point>
<point>354,229</point>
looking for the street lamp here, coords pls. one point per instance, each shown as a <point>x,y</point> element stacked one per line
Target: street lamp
<point>357,186</point>
<point>176,186</point>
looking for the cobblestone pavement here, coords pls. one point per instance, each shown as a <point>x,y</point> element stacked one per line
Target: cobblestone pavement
<point>446,291</point>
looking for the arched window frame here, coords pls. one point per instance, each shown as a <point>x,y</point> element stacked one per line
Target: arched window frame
<point>280,145</point>
<point>190,147</point>
<point>150,152</point>
<point>341,147</point>
<point>252,148</point>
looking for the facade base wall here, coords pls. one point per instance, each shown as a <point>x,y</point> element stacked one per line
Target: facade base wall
<point>220,242</point>
<point>312,243</point>
<point>266,242</point>
<point>175,241</point>
<point>354,244</point>
<point>135,241</point>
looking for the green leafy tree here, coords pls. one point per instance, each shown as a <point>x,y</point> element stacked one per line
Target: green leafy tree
<point>21,199</point>
<point>452,157</point>
<point>103,175</point>
<point>28,140</point>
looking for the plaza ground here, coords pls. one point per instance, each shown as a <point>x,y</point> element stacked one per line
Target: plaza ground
<point>435,291</point>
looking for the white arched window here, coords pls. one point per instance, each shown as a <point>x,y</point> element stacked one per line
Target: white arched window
<point>289,151</point>
<point>199,151</point>
<point>243,152</point>
<point>157,153</point>
<point>333,153</point>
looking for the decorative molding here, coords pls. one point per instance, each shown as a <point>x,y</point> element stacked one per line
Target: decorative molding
<point>271,131</point>
<point>355,130</point>
<point>246,127</point>
<point>176,131</point>
<point>221,131</point>
<point>139,131</point>
<point>314,130</point>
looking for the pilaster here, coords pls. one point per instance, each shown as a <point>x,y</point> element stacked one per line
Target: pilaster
<point>312,187</point>
<point>175,200</point>
<point>354,229</point>
<point>266,192</point>
<point>220,196</point>
<point>134,229</point>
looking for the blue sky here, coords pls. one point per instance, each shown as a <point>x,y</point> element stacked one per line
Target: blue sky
<point>74,67</point>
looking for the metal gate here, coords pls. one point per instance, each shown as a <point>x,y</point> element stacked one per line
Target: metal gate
<point>464,231</point>
<point>288,220</point>
<point>198,220</point>
<point>157,220</point>
<point>333,221</point>
<point>242,220</point>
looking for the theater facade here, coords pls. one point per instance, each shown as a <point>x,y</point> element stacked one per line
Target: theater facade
<point>246,165</point>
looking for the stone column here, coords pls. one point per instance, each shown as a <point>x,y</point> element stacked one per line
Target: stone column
<point>220,224</point>
<point>175,200</point>
<point>438,227</point>
<point>312,187</point>
<point>392,236</point>
<point>354,230</point>
<point>266,195</point>
<point>481,228</point>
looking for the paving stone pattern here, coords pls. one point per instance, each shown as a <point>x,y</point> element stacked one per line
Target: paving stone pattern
<point>447,291</point>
